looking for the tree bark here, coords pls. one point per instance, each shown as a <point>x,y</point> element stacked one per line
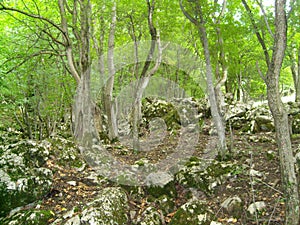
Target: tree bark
<point>109,105</point>
<point>84,109</point>
<point>217,118</point>
<point>295,69</point>
<point>145,75</point>
<point>287,164</point>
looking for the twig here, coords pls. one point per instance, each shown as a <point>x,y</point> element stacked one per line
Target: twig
<point>274,189</point>
<point>252,189</point>
<point>269,222</point>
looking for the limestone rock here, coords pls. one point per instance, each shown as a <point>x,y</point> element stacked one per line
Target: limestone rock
<point>109,208</point>
<point>23,179</point>
<point>256,206</point>
<point>204,176</point>
<point>193,213</point>
<point>30,217</point>
<point>233,206</point>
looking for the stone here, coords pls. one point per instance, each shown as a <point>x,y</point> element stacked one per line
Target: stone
<point>160,183</point>
<point>203,175</point>
<point>193,213</point>
<point>256,207</point>
<point>233,206</point>
<point>110,207</point>
<point>32,217</point>
<point>150,217</point>
<point>23,177</point>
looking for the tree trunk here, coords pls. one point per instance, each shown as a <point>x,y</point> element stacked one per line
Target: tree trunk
<point>84,109</point>
<point>145,75</point>
<point>295,68</point>
<point>109,105</point>
<point>287,164</point>
<point>217,119</point>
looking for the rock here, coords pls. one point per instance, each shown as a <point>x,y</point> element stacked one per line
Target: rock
<point>255,173</point>
<point>233,206</point>
<point>67,152</point>
<point>30,217</point>
<point>193,213</point>
<point>204,175</point>
<point>160,183</point>
<point>256,206</point>
<point>215,223</point>
<point>166,204</point>
<point>150,217</point>
<point>110,207</point>
<point>23,179</point>
<point>73,221</point>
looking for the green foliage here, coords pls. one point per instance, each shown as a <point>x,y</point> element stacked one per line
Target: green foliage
<point>36,89</point>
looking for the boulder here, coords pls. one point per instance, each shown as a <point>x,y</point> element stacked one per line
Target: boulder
<point>160,183</point>
<point>110,207</point>
<point>66,152</point>
<point>29,217</point>
<point>193,213</point>
<point>233,206</point>
<point>150,217</point>
<point>23,177</point>
<point>204,176</point>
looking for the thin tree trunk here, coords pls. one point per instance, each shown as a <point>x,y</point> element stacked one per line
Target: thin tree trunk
<point>287,164</point>
<point>145,74</point>
<point>109,105</point>
<point>295,68</point>
<point>217,118</point>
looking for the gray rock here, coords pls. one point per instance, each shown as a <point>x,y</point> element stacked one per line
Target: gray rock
<point>204,175</point>
<point>233,206</point>
<point>150,217</point>
<point>256,206</point>
<point>32,217</point>
<point>160,183</point>
<point>193,213</point>
<point>109,208</point>
<point>23,179</point>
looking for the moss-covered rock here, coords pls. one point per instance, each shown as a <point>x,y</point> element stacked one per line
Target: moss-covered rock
<point>150,217</point>
<point>166,204</point>
<point>159,184</point>
<point>23,179</point>
<point>67,152</point>
<point>30,217</point>
<point>204,175</point>
<point>109,208</point>
<point>156,108</point>
<point>193,213</point>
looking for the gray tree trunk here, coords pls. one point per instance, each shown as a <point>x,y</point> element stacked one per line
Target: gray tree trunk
<point>83,109</point>
<point>109,106</point>
<point>295,68</point>
<point>145,75</point>
<point>216,116</point>
<point>287,164</point>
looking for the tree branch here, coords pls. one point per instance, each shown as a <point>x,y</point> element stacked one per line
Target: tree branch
<point>187,15</point>
<point>265,17</point>
<point>258,35</point>
<point>4,8</point>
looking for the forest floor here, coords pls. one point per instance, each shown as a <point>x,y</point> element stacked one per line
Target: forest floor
<point>73,188</point>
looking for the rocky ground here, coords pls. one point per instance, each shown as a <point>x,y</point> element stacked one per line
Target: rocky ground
<point>243,189</point>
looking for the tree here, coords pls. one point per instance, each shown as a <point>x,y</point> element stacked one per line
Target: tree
<point>217,118</point>
<point>146,73</point>
<point>274,64</point>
